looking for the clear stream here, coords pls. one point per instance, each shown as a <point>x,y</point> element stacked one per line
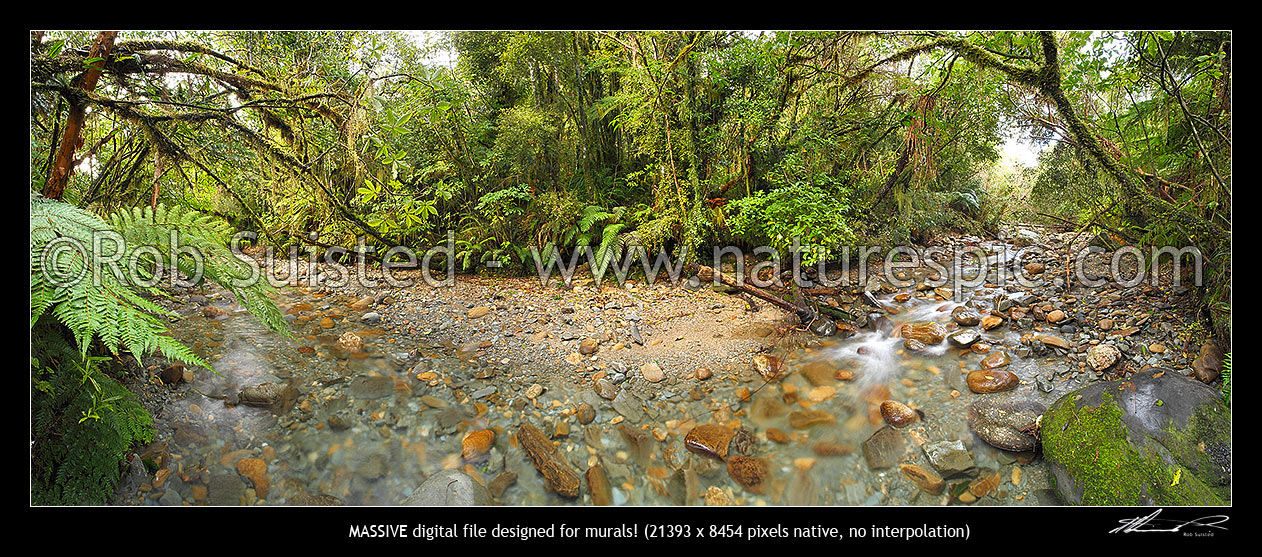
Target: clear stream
<point>367,430</point>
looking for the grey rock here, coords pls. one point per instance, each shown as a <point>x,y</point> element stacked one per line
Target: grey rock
<point>448,488</point>
<point>948,457</point>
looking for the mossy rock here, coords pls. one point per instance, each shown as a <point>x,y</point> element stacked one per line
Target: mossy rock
<point>1156,438</point>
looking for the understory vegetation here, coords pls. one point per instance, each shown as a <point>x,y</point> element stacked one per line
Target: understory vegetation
<point>560,141</point>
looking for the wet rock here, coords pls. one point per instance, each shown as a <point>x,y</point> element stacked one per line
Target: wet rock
<point>966,316</point>
<point>448,488</point>
<point>477,445</point>
<point>275,396</point>
<point>926,480</point>
<point>501,483</point>
<point>823,327</point>
<point>629,406</point>
<point>225,490</point>
<point>598,486</point>
<point>914,345</point>
<point>1056,316</point>
<point>370,387</point>
<point>173,374</point>
<point>991,321</point>
<point>558,474</point>
<point>996,359</point>
<point>351,343</point>
<point>1005,423</point>
<point>715,497</point>
<point>704,373</point>
<point>1208,365</point>
<point>897,414</point>
<point>1052,340</point>
<point>1168,433</point>
<point>928,332</point>
<point>752,473</point>
<point>944,293</point>
<point>883,448</point>
<point>255,470</point>
<point>819,374</point>
<point>212,312</point>
<point>1102,356</point>
<point>710,440</point>
<point>992,380</point>
<point>768,366</point>
<point>964,338</point>
<point>585,413</point>
<point>1033,269</point>
<point>810,418</point>
<point>606,389</point>
<point>338,423</point>
<point>478,312</point>
<point>948,457</point>
<point>371,318</point>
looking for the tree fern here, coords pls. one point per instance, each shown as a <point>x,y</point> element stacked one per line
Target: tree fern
<point>84,422</point>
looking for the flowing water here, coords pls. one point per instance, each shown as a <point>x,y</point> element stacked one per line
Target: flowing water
<point>368,427</point>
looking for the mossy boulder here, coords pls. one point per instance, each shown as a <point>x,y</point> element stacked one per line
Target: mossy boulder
<point>1156,438</point>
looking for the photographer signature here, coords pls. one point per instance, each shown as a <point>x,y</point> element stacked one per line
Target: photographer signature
<point>1151,523</point>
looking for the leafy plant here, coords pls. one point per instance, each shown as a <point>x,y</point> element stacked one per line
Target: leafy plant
<point>83,420</point>
<point>802,211</point>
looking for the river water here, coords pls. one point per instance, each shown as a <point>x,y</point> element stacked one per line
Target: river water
<point>368,427</point>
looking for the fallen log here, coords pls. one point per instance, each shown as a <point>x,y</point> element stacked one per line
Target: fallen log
<point>806,313</point>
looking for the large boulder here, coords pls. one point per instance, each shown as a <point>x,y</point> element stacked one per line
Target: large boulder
<point>1156,438</point>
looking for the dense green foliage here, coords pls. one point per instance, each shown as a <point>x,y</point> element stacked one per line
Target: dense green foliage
<point>84,421</point>
<point>564,141</point>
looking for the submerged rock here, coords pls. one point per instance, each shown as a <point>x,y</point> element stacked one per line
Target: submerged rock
<point>1006,423</point>
<point>448,488</point>
<point>948,457</point>
<point>928,332</point>
<point>883,448</point>
<point>1156,438</point>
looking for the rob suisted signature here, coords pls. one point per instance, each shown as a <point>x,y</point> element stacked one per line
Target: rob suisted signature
<point>1151,523</point>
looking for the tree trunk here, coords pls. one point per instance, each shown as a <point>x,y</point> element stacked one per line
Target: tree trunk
<point>55,186</point>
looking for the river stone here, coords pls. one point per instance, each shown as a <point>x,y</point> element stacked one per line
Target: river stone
<point>1102,356</point>
<point>991,321</point>
<point>948,457</point>
<point>1209,364</point>
<point>996,359</point>
<point>652,372</point>
<point>225,490</point>
<point>897,414</point>
<point>710,440</point>
<point>1168,434</point>
<point>914,345</point>
<point>276,396</point>
<point>966,316</point>
<point>585,413</point>
<point>883,448</point>
<point>928,332</point>
<point>824,327</point>
<point>964,338</point>
<point>370,387</point>
<point>606,389</point>
<point>927,480</point>
<point>629,406</point>
<point>588,347</point>
<point>752,473</point>
<point>999,421</point>
<point>1052,340</point>
<point>991,380</point>
<point>448,488</point>
<point>598,486</point>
